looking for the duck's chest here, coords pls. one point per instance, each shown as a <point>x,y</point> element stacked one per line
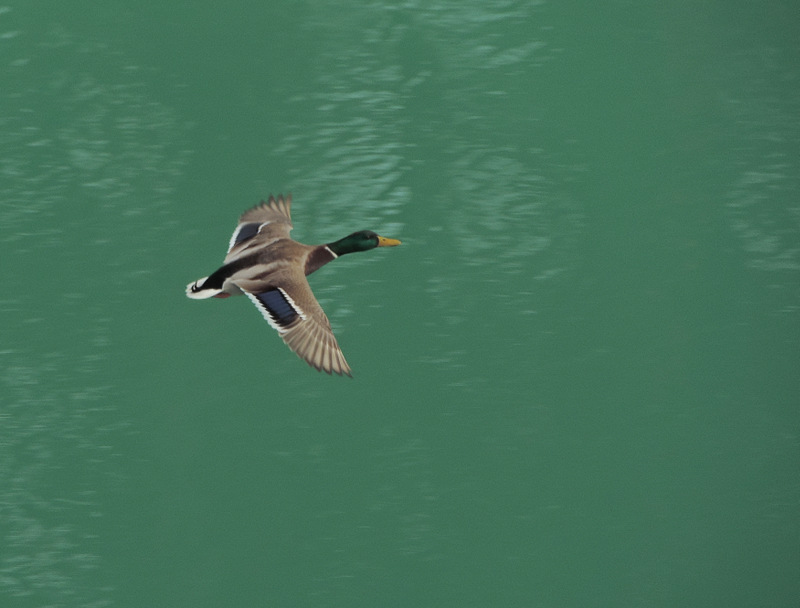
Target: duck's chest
<point>317,258</point>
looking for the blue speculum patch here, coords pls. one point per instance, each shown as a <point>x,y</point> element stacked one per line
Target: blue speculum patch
<point>248,231</point>
<point>278,307</point>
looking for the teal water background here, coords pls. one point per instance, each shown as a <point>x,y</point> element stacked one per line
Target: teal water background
<point>576,382</point>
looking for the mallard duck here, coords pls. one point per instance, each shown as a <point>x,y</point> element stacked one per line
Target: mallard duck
<point>268,267</point>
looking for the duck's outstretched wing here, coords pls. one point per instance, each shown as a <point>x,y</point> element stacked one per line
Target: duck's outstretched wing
<point>266,222</point>
<point>294,312</point>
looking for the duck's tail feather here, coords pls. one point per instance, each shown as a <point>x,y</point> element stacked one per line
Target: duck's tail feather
<point>195,290</point>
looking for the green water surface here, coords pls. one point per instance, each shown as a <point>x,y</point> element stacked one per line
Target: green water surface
<point>575,383</point>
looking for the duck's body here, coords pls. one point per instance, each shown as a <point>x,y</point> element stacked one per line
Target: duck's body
<point>270,268</point>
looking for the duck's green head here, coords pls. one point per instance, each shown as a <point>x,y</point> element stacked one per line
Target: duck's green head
<point>363,240</point>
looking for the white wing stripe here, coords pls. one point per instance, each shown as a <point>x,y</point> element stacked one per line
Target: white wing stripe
<point>239,229</point>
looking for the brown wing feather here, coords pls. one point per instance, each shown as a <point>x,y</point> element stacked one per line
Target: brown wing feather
<point>309,335</point>
<point>313,340</point>
<point>272,209</point>
<point>266,222</point>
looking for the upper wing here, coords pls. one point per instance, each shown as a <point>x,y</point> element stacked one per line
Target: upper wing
<point>264,223</point>
<point>299,319</point>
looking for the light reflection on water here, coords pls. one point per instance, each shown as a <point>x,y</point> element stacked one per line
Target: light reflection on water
<point>763,206</point>
<point>763,142</point>
<point>54,456</point>
<point>420,124</point>
<point>398,136</point>
<point>82,145</point>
